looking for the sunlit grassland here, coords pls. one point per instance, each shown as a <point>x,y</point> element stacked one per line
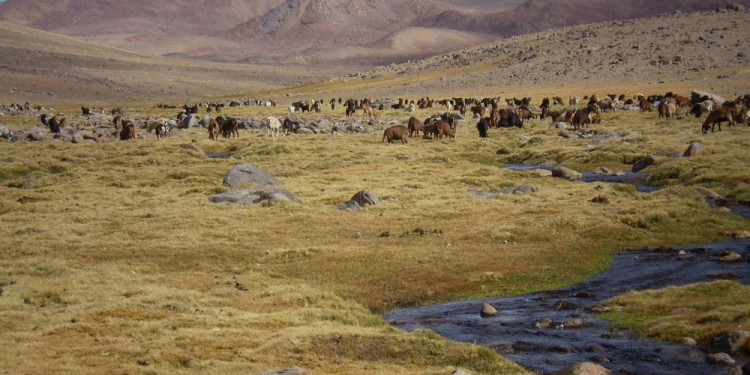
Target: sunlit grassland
<point>122,258</point>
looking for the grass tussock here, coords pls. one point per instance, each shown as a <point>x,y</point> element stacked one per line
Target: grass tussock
<point>701,311</point>
<point>113,256</point>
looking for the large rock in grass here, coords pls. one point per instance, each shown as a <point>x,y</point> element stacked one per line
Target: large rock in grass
<point>365,197</point>
<point>243,174</point>
<point>560,171</point>
<point>695,148</point>
<point>262,195</point>
<point>585,368</point>
<point>644,163</point>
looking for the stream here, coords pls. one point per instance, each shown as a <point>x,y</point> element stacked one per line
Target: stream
<point>550,330</point>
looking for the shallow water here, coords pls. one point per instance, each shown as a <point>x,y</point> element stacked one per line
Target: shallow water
<point>631,178</point>
<point>545,350</point>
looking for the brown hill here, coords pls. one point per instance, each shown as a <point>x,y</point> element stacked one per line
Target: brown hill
<point>318,31</point>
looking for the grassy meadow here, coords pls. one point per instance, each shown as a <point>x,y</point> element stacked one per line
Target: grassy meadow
<point>114,261</point>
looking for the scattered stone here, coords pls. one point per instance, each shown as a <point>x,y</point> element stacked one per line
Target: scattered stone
<point>365,197</point>
<point>731,342</point>
<point>544,323</point>
<point>562,305</point>
<point>599,359</point>
<point>737,234</point>
<point>601,200</point>
<point>487,311</point>
<point>643,163</point>
<point>541,172</point>
<point>694,149</point>
<point>242,174</point>
<point>385,234</point>
<point>736,370</point>
<point>560,171</point>
<point>683,353</point>
<point>593,347</point>
<point>461,372</point>
<point>706,192</point>
<point>731,257</point>
<point>357,235</point>
<point>143,362</point>
<point>720,359</point>
<point>252,197</point>
<point>585,368</point>
<point>289,371</point>
<point>349,206</point>
<point>573,324</point>
<point>562,349</point>
<point>192,147</point>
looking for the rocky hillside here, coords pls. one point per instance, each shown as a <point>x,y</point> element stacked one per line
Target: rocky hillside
<point>368,33</point>
<point>706,49</point>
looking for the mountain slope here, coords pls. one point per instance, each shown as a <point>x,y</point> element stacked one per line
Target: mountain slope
<point>319,31</point>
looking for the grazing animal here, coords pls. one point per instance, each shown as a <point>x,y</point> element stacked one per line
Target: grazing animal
<point>444,129</point>
<point>716,117</point>
<point>274,126</point>
<point>86,111</point>
<point>645,105</point>
<point>584,116</point>
<point>117,122</point>
<point>213,130</point>
<point>478,109</point>
<point>395,133</point>
<point>415,126</point>
<point>229,128</point>
<point>54,125</point>
<point>367,110</point>
<point>289,126</point>
<point>128,131</point>
<point>411,107</point>
<point>162,130</point>
<point>43,118</point>
<point>483,126</point>
<point>700,108</point>
<point>509,119</point>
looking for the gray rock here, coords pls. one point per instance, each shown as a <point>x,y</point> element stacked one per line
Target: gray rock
<point>585,368</point>
<point>461,372</point>
<point>706,192</point>
<point>689,341</point>
<point>487,311</point>
<point>242,174</point>
<point>349,206</point>
<point>560,171</point>
<point>720,359</point>
<point>683,353</point>
<point>252,197</point>
<point>695,148</point>
<point>731,342</point>
<point>644,163</point>
<point>731,257</point>
<point>191,147</point>
<point>365,197</point>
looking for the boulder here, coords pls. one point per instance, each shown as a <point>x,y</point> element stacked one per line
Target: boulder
<point>706,192</point>
<point>252,197</point>
<point>487,310</point>
<point>242,174</point>
<point>731,257</point>
<point>560,171</point>
<point>695,148</point>
<point>365,197</point>
<point>349,206</point>
<point>585,368</point>
<point>191,147</point>
<point>720,359</point>
<point>643,163</point>
<point>541,172</point>
<point>731,342</point>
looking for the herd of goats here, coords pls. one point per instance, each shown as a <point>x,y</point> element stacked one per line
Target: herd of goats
<point>579,113</point>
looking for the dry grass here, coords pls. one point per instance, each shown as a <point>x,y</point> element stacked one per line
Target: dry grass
<point>122,259</point>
